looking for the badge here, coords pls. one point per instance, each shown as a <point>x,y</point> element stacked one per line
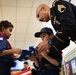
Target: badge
<point>61,8</point>
<point>1,38</point>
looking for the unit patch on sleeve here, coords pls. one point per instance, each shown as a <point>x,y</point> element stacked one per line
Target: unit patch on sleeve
<point>61,8</point>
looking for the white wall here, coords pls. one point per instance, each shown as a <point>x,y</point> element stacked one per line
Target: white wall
<point>69,48</point>
<point>73,1</point>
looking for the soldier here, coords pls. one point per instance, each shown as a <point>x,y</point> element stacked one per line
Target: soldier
<point>63,19</point>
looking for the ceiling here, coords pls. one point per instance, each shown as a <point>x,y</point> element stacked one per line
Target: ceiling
<point>21,13</point>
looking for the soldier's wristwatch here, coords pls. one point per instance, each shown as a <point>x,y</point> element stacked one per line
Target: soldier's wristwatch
<point>49,42</point>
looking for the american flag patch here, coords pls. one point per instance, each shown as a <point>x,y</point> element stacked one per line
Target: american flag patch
<point>1,38</point>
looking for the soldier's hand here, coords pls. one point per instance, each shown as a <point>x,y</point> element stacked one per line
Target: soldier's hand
<point>43,45</point>
<point>44,53</point>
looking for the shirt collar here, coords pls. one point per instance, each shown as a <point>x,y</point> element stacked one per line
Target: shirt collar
<point>2,34</point>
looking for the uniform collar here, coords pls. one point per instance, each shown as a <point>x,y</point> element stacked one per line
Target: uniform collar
<point>2,34</point>
<point>51,12</point>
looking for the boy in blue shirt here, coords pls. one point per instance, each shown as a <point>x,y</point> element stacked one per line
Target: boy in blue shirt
<point>6,51</point>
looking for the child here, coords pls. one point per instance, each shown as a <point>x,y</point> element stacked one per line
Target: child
<point>48,63</point>
<point>6,51</point>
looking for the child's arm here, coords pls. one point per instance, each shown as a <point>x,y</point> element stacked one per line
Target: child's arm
<point>50,59</point>
<point>4,50</point>
<point>36,63</point>
<point>33,58</point>
<point>10,51</point>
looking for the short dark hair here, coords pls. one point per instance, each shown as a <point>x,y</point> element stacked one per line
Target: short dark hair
<point>25,62</point>
<point>5,24</point>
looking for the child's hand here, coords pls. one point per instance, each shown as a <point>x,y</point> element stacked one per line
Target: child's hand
<point>39,54</point>
<point>32,58</point>
<point>17,51</point>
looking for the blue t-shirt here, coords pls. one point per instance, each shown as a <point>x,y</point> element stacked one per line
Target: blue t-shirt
<point>5,46</point>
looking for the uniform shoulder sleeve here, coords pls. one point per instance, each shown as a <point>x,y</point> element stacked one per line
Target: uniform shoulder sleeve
<point>2,44</point>
<point>60,5</point>
<point>64,12</point>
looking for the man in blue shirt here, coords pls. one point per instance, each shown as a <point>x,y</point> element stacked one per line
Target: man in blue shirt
<point>25,66</point>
